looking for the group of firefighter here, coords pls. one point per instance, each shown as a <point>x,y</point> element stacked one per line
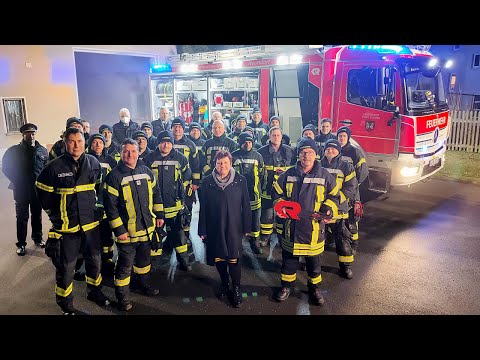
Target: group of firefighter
<point>143,201</point>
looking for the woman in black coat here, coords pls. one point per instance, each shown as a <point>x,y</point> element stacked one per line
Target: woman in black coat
<point>225,218</point>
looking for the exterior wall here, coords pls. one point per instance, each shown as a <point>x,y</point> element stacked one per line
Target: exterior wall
<point>49,84</point>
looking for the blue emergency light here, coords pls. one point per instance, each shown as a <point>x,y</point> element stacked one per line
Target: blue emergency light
<point>159,68</point>
<point>383,49</point>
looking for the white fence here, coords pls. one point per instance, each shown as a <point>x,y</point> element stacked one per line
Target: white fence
<point>464,132</point>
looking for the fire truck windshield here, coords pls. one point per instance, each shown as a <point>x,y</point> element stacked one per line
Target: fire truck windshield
<point>424,89</point>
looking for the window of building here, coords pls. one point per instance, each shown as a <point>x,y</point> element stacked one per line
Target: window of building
<point>14,114</point>
<point>456,47</point>
<point>453,80</point>
<point>476,61</point>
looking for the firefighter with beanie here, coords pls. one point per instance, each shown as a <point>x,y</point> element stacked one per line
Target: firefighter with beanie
<point>277,158</point>
<point>147,128</point>
<point>59,147</point>
<point>66,190</point>
<point>134,208</point>
<point>310,131</point>
<point>113,149</point>
<point>354,156</point>
<point>249,163</point>
<point>240,124</point>
<point>195,134</point>
<point>311,186</point>
<point>142,139</point>
<point>171,170</point>
<point>275,121</point>
<point>96,148</point>
<point>346,180</point>
<point>187,148</point>
<point>258,126</point>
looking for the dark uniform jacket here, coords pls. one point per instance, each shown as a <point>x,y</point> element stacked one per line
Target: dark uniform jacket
<point>158,126</point>
<point>345,178</point>
<point>21,164</point>
<point>107,164</point>
<point>250,165</point>
<point>211,147</point>
<point>259,130</point>
<point>145,153</point>
<point>122,131</point>
<point>285,139</point>
<point>171,172</point>
<point>152,142</point>
<point>275,163</point>
<point>114,151</point>
<point>198,143</point>
<point>354,156</point>
<point>225,217</point>
<point>315,192</point>
<point>132,201</point>
<point>66,190</point>
<point>57,149</point>
<point>322,138</point>
<point>234,135</point>
<point>187,148</point>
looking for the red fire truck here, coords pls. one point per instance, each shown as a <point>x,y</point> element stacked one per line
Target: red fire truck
<point>391,96</point>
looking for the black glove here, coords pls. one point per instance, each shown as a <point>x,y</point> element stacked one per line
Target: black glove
<point>52,249</point>
<point>185,217</point>
<point>157,239</point>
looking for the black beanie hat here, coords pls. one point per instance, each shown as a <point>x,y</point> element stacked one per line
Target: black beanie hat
<point>147,124</point>
<point>334,144</point>
<point>345,129</point>
<point>95,136</point>
<point>165,136</point>
<point>309,127</point>
<point>73,120</point>
<point>244,136</point>
<point>194,125</point>
<point>138,133</point>
<point>105,126</point>
<point>274,117</point>
<point>179,121</point>
<point>305,143</point>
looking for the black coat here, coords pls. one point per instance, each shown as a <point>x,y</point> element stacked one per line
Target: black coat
<point>225,217</point>
<point>22,164</point>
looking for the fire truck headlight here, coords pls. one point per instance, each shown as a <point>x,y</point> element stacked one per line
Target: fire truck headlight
<point>408,171</point>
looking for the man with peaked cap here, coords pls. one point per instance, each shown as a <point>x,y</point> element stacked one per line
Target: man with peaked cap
<point>21,164</point>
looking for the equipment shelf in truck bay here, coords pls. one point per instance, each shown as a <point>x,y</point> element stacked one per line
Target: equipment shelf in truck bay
<point>391,96</point>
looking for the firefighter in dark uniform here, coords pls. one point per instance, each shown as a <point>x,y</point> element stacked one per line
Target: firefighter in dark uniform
<point>195,134</point>
<point>66,190</point>
<point>240,124</point>
<point>113,149</point>
<point>346,180</point>
<point>249,163</point>
<point>259,128</point>
<point>59,147</point>
<point>312,186</point>
<point>310,131</point>
<point>275,121</point>
<point>96,147</point>
<point>147,128</point>
<point>187,148</point>
<point>354,156</point>
<point>325,132</point>
<point>277,158</point>
<point>134,208</point>
<point>171,170</point>
<point>141,138</point>
<point>21,164</point>
<point>219,141</point>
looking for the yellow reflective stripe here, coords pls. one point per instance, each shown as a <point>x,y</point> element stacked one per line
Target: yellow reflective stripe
<point>157,207</point>
<point>156,252</point>
<point>320,196</point>
<point>219,259</point>
<point>289,188</point>
<point>186,183</point>
<point>150,196</point>
<point>345,259</point>
<point>115,223</point>
<point>153,183</point>
<point>90,226</point>
<point>107,249</point>
<point>278,189</point>
<point>111,190</point>
<point>122,282</point>
<point>70,230</point>
<point>266,226</point>
<point>310,246</point>
<point>141,271</point>
<point>54,235</point>
<point>206,168</point>
<point>64,293</point>
<point>78,188</point>
<point>132,217</point>
<point>289,278</point>
<point>333,206</point>
<point>355,236</point>
<point>95,282</point>
<point>181,249</point>
<point>232,261</point>
<point>63,212</point>
<point>315,280</point>
<point>266,196</point>
<point>315,232</point>
<point>351,176</point>
<point>334,190</point>
<point>176,208</point>
<point>44,187</point>
<point>360,162</point>
<point>342,196</point>
<point>196,176</point>
<point>254,233</point>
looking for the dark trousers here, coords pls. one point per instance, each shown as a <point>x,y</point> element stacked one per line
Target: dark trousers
<point>177,239</point>
<point>343,241</point>
<point>290,265</point>
<point>136,255</point>
<point>70,245</point>
<point>352,225</point>
<point>21,210</point>
<point>255,232</point>
<point>266,219</point>
<point>232,266</point>
<point>107,241</point>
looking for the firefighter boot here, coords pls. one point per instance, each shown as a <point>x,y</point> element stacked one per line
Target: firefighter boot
<point>283,294</point>
<point>183,262</point>
<point>145,285</point>
<point>315,296</point>
<point>254,245</point>
<point>236,296</point>
<point>223,291</point>
<point>98,297</point>
<point>346,271</point>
